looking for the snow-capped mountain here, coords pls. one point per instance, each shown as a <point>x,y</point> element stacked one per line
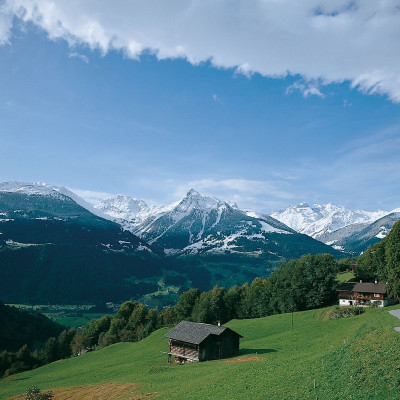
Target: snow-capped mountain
<point>45,189</point>
<point>129,212</point>
<point>318,221</point>
<point>201,224</point>
<point>356,238</point>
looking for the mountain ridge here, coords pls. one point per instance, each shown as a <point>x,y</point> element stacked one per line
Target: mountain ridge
<point>328,223</point>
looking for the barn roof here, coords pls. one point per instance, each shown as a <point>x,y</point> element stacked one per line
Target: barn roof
<point>370,288</point>
<point>195,332</point>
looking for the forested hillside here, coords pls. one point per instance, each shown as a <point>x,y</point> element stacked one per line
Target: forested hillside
<point>20,327</point>
<point>382,261</point>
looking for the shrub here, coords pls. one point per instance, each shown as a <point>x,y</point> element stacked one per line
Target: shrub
<point>33,393</point>
<point>344,312</point>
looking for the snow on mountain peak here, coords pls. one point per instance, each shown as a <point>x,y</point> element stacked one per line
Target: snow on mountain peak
<point>319,219</point>
<point>194,199</point>
<point>45,189</point>
<point>121,206</point>
<point>40,188</point>
<point>302,205</point>
<point>129,211</point>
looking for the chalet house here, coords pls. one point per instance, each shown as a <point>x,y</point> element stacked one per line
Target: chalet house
<point>362,294</point>
<point>193,341</point>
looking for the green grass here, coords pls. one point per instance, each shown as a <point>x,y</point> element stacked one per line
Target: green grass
<point>73,321</point>
<point>345,276</point>
<point>350,358</point>
<point>71,316</point>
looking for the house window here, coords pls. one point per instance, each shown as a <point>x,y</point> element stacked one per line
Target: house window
<point>377,295</point>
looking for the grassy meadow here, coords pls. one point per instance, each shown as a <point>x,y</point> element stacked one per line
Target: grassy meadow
<point>350,358</point>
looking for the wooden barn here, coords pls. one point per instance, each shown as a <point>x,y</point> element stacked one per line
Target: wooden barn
<point>194,341</point>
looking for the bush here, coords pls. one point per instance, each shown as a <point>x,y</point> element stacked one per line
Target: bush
<point>33,393</point>
<point>344,312</point>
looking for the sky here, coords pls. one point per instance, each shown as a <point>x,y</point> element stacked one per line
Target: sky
<point>266,103</point>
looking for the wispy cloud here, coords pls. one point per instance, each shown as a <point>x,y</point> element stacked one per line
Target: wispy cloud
<point>360,172</point>
<point>217,99</point>
<point>82,57</point>
<point>333,41</point>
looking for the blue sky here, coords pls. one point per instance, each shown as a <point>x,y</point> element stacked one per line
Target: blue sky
<point>261,102</point>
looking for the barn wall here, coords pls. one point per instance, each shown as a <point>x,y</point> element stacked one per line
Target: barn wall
<point>184,349</point>
<point>224,345</point>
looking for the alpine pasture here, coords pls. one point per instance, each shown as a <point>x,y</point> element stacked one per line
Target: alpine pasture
<point>349,358</point>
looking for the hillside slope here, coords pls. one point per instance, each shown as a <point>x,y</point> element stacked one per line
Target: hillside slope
<point>348,358</point>
<point>20,327</point>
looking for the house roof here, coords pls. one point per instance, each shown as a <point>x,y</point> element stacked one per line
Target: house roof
<point>195,332</point>
<point>346,286</point>
<point>370,288</point>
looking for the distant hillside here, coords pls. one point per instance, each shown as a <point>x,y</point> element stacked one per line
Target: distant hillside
<point>20,327</point>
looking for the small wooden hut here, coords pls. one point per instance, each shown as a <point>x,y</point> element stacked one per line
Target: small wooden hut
<point>193,341</point>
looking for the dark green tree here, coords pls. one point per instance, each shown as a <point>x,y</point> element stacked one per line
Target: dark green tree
<point>65,343</point>
<point>392,256</point>
<point>94,328</point>
<point>50,351</point>
<point>185,304</point>
<point>232,300</point>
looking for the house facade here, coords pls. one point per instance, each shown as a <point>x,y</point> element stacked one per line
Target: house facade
<point>363,294</point>
<point>193,341</point>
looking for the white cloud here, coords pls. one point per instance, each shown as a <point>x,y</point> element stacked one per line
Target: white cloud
<point>306,88</point>
<point>92,197</point>
<point>335,41</point>
<point>5,24</point>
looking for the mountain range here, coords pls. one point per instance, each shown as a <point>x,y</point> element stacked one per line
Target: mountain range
<point>349,231</point>
<point>346,230</point>
<point>201,224</point>
<point>56,247</point>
